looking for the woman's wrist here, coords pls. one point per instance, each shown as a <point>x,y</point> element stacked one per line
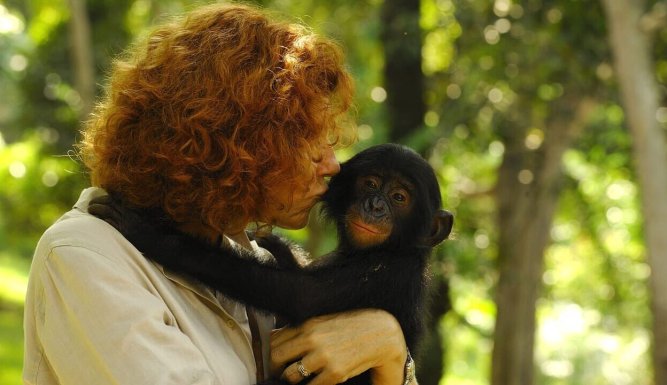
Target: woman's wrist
<point>386,377</point>
<point>390,369</point>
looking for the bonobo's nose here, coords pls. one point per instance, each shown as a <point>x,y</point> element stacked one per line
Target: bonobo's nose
<point>376,206</point>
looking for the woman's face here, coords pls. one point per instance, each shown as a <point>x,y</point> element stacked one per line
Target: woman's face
<point>288,206</point>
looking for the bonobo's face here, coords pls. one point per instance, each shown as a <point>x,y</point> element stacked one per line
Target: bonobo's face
<point>381,201</point>
<point>387,196</point>
<point>288,206</point>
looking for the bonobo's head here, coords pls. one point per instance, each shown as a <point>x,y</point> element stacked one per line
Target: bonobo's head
<point>387,196</point>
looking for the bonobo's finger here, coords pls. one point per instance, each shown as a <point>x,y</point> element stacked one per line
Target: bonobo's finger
<point>105,208</point>
<point>106,213</point>
<point>103,200</point>
<point>102,211</point>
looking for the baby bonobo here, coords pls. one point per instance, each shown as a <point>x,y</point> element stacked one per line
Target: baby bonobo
<point>385,203</point>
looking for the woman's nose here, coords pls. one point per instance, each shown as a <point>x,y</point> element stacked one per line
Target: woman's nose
<point>329,165</point>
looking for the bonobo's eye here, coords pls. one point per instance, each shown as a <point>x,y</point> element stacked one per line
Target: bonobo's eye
<point>398,197</point>
<point>372,183</point>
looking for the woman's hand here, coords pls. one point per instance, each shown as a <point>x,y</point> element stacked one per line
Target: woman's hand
<point>334,348</point>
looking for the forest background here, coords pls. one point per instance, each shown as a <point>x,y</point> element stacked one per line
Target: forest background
<point>545,121</point>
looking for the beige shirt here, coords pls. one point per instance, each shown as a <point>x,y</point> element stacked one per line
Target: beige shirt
<point>97,312</point>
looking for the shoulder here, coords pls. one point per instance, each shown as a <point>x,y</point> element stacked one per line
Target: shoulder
<point>79,229</point>
<point>80,233</point>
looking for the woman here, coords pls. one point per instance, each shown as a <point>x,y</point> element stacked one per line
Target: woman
<point>222,118</point>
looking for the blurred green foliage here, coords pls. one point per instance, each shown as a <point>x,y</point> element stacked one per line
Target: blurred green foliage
<point>13,282</point>
<point>37,187</point>
<point>11,350</point>
<point>491,67</point>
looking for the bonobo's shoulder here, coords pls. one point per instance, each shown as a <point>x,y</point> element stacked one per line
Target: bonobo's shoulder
<point>392,252</point>
<point>396,256</point>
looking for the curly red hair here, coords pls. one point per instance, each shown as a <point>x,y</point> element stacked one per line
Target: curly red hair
<point>211,110</point>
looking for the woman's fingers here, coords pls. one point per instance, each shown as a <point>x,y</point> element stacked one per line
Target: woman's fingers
<point>283,349</point>
<point>298,371</point>
<point>336,347</point>
<point>279,336</point>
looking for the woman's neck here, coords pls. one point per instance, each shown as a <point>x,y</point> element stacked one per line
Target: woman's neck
<point>241,238</point>
<point>212,236</point>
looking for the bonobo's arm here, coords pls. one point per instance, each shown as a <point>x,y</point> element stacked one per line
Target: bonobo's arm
<point>286,254</point>
<point>296,294</point>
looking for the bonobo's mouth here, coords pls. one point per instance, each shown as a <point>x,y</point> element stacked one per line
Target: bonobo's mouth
<point>366,227</point>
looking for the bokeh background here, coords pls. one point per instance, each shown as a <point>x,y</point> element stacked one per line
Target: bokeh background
<point>544,119</point>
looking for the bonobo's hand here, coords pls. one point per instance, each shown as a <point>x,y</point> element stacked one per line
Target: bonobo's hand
<point>281,251</point>
<point>125,220</point>
<point>146,232</point>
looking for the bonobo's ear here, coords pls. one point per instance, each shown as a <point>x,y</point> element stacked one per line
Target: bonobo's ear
<point>443,221</point>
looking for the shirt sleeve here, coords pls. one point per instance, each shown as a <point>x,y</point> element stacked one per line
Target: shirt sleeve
<point>101,323</point>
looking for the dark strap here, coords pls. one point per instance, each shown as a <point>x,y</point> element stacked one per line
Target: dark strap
<point>256,344</point>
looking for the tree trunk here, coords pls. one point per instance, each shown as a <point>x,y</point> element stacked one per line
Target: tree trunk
<point>82,56</point>
<point>405,107</point>
<point>526,210</point>
<point>403,77</point>
<point>639,94</point>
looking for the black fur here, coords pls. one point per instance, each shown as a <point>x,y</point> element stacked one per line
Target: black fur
<point>389,276</point>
